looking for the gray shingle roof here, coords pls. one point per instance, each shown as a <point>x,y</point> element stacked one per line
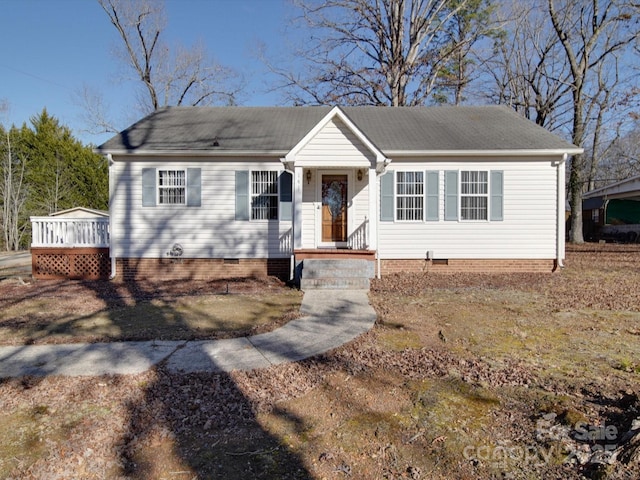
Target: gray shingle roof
<point>279,129</point>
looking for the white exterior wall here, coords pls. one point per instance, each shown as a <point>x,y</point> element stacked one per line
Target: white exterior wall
<point>310,211</point>
<point>335,145</point>
<point>360,204</point>
<point>208,231</point>
<point>528,229</point>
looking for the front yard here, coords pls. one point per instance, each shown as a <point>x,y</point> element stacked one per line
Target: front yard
<point>464,376</point>
<point>49,311</point>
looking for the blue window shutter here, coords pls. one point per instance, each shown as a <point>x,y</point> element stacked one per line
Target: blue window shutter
<point>242,195</point>
<point>286,196</point>
<point>386,196</point>
<point>433,187</point>
<point>497,195</point>
<point>148,187</point>
<point>451,195</point>
<point>194,187</point>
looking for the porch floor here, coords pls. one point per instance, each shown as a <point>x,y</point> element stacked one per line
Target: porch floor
<point>334,253</point>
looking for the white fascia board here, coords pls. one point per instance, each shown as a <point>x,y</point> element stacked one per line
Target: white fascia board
<point>361,163</point>
<point>194,153</point>
<point>628,185</point>
<point>484,153</point>
<point>335,112</point>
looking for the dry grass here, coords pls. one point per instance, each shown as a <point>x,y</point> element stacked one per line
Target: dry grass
<point>458,370</point>
<point>73,311</point>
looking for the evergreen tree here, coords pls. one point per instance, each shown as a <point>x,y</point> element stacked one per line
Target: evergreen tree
<point>44,169</point>
<point>63,173</point>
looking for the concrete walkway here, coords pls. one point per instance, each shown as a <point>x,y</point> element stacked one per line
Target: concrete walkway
<point>15,264</point>
<point>331,318</point>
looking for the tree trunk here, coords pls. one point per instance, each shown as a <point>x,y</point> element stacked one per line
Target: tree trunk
<point>577,169</point>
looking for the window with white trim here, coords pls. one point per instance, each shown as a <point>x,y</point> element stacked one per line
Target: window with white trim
<point>172,187</point>
<point>264,195</point>
<point>474,195</point>
<point>409,196</point>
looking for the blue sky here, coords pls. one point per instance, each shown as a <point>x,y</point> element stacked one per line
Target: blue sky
<point>50,49</point>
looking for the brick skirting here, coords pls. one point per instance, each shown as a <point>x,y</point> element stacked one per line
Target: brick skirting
<point>85,263</point>
<point>200,268</point>
<point>467,265</point>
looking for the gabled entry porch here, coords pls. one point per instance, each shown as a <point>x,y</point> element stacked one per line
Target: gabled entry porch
<point>335,172</point>
<point>336,249</point>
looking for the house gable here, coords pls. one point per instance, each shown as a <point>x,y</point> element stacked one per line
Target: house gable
<point>335,142</point>
<point>335,145</point>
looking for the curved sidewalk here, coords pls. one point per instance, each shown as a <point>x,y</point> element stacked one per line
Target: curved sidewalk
<point>331,318</point>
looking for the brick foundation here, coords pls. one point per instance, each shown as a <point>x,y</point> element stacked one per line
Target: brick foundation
<point>467,266</point>
<point>200,268</point>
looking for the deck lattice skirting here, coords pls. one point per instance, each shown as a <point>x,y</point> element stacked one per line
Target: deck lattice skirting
<point>64,247</point>
<point>88,263</point>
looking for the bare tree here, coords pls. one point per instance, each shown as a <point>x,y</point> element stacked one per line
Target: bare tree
<point>375,52</point>
<point>468,27</point>
<point>95,114</point>
<point>526,67</point>
<point>621,160</point>
<point>593,34</point>
<point>186,76</point>
<point>562,64</point>
<point>13,193</point>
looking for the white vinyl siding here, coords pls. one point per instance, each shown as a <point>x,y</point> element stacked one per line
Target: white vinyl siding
<point>525,227</point>
<point>335,145</point>
<point>207,232</point>
<point>360,207</point>
<point>309,212</point>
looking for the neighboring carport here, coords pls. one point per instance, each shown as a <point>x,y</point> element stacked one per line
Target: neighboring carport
<point>612,213</point>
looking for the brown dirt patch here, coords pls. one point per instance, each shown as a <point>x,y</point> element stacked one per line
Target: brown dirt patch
<point>464,376</point>
<point>44,312</point>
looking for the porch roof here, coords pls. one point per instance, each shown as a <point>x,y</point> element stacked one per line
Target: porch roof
<point>277,130</point>
<point>628,188</point>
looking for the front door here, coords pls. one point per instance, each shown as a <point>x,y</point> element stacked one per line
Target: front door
<point>334,208</point>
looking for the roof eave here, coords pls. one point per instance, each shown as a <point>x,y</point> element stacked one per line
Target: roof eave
<point>194,153</point>
<point>486,153</point>
<point>612,186</point>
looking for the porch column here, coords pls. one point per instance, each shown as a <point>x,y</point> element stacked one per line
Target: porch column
<point>297,208</point>
<point>373,209</point>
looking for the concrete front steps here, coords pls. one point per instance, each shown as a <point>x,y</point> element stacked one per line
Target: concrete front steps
<point>336,274</point>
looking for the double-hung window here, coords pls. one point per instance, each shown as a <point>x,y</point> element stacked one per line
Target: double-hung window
<point>264,195</point>
<point>474,195</point>
<point>409,195</point>
<point>172,187</point>
<point>163,186</point>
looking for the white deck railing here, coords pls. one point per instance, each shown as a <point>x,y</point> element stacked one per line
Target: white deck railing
<point>69,232</point>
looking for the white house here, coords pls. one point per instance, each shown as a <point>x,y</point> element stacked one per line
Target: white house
<point>204,192</point>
